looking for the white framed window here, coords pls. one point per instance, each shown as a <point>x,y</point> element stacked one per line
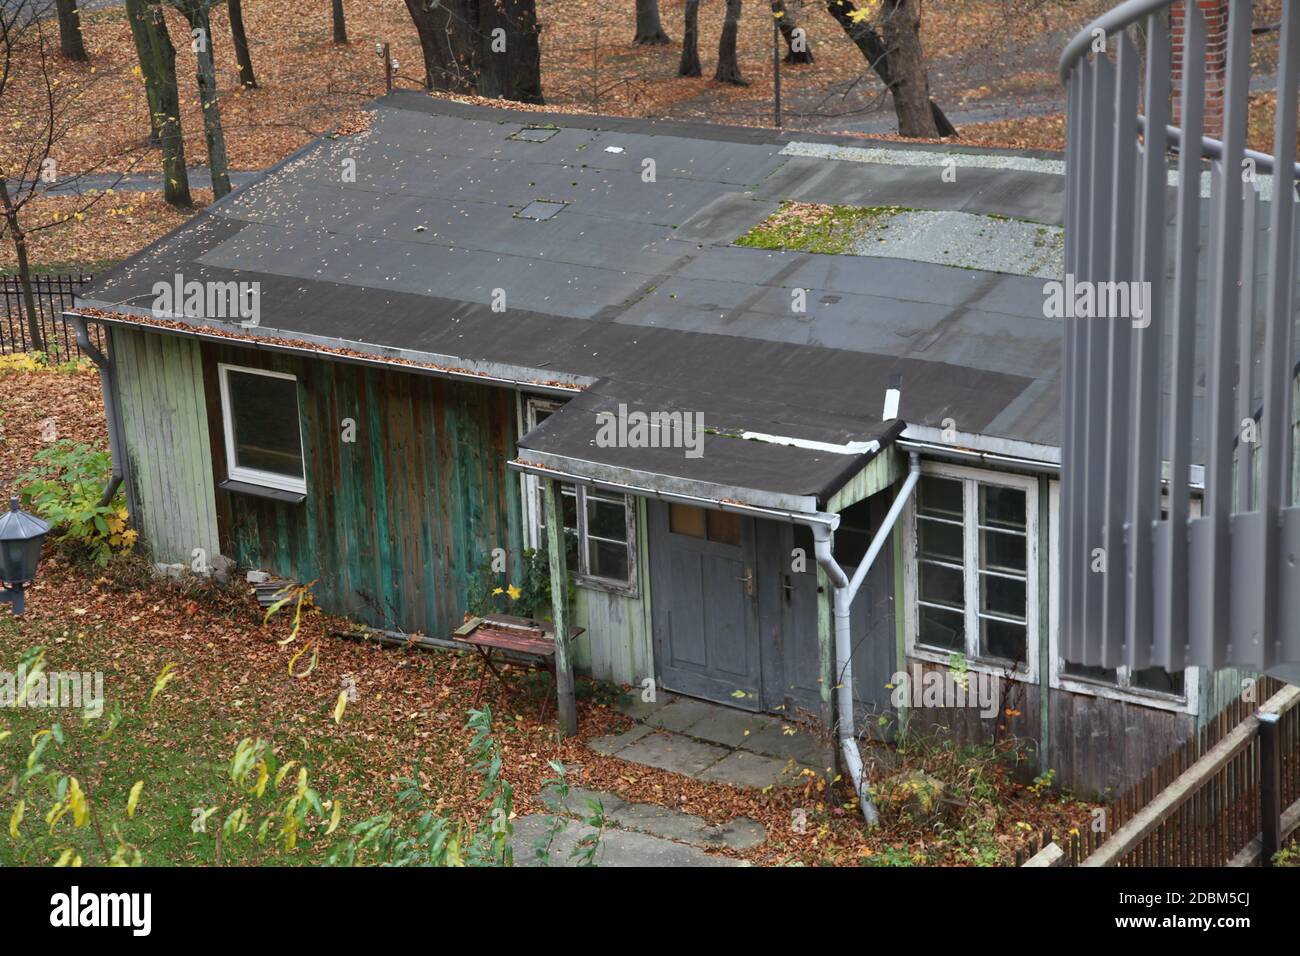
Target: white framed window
<point>599,526</point>
<point>263,435</point>
<point>1151,687</point>
<point>971,569</point>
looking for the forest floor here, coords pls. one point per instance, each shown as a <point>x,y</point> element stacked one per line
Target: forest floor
<point>405,718</point>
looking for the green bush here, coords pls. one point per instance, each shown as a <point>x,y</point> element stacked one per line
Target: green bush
<point>64,487</point>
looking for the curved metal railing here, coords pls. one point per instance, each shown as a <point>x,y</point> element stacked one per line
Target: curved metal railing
<point>1195,387</point>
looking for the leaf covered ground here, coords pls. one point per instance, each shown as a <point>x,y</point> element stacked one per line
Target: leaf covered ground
<point>405,719</point>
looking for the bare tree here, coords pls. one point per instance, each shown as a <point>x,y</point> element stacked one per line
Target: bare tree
<point>728,70</point>
<point>340,23</point>
<point>240,38</point>
<point>511,53</point>
<point>690,64</point>
<point>798,49</point>
<point>47,107</point>
<point>897,59</point>
<point>484,47</point>
<point>157,57</point>
<point>198,13</point>
<point>71,43</point>
<point>649,29</point>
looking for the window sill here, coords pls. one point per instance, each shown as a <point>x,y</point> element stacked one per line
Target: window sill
<point>599,584</point>
<point>1004,669</point>
<point>261,491</point>
<point>1137,697</point>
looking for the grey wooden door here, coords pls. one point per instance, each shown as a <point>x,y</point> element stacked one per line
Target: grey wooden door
<point>705,609</point>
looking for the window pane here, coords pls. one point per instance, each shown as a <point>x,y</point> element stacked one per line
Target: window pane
<point>1002,507</point>
<point>1002,551</point>
<point>686,519</point>
<point>941,585</point>
<point>1004,596</point>
<point>726,527</point>
<point>1107,675</point>
<point>607,560</point>
<point>942,628</point>
<point>938,539</point>
<point>1159,679</point>
<point>1000,639</point>
<point>939,496</point>
<point>569,505</point>
<point>606,518</point>
<point>264,420</point>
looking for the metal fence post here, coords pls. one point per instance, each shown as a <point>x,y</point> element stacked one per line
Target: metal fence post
<point>1270,786</point>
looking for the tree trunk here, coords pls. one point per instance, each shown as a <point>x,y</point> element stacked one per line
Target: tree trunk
<point>340,23</point>
<point>71,44</point>
<point>136,16</point>
<point>10,212</point>
<point>649,31</point>
<point>879,57</point>
<point>901,27</point>
<point>798,49</point>
<point>512,58</point>
<point>218,164</point>
<point>728,65</point>
<point>176,177</point>
<point>240,38</point>
<point>449,43</point>
<point>690,64</point>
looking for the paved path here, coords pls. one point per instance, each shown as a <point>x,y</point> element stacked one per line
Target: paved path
<point>714,743</point>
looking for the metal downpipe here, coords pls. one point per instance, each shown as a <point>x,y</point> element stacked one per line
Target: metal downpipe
<point>110,406</point>
<point>845,591</point>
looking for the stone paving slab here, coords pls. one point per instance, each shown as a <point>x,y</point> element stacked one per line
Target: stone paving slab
<point>683,713</point>
<point>673,752</point>
<point>741,833</point>
<point>740,768</point>
<point>617,847</point>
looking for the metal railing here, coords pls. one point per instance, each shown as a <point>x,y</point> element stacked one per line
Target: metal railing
<point>1197,390</point>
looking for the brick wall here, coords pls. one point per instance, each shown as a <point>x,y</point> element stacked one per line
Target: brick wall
<point>1215,13</point>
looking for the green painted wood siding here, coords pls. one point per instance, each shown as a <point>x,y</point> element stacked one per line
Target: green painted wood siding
<point>159,382</point>
<point>617,644</point>
<point>397,521</point>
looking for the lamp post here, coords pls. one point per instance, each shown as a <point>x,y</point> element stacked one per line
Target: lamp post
<point>21,535</point>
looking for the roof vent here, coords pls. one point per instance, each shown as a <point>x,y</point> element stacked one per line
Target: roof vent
<point>534,134</point>
<point>540,209</point>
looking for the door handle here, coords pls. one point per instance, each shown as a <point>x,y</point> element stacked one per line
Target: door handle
<point>749,582</point>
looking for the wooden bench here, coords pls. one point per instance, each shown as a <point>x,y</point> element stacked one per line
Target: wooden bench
<point>502,639</point>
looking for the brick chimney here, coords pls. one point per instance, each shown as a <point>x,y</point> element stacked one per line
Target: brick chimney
<point>1215,14</point>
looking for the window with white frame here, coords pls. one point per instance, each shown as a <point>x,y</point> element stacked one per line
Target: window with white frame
<point>599,526</point>
<point>972,557</point>
<point>263,435</point>
<point>1152,686</point>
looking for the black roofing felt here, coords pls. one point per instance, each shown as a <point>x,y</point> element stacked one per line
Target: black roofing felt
<point>631,283</point>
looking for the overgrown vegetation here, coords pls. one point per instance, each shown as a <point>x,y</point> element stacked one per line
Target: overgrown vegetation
<point>492,592</point>
<point>816,227</point>
<point>65,486</point>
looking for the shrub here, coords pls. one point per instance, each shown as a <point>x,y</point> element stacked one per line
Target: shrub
<point>64,487</point>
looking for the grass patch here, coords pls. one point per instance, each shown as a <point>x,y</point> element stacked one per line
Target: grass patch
<point>816,227</point>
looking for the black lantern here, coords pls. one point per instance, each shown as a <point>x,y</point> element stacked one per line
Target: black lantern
<point>21,535</point>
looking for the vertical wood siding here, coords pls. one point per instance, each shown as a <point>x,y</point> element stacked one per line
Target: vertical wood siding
<point>159,381</point>
<point>617,643</point>
<point>395,523</point>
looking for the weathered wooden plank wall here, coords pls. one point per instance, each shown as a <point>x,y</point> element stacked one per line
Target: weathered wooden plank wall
<point>617,644</point>
<point>396,522</point>
<point>159,381</point>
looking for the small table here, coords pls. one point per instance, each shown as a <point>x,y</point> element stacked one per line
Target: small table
<point>505,639</point>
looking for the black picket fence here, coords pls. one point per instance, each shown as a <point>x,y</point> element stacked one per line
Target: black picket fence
<point>53,294</point>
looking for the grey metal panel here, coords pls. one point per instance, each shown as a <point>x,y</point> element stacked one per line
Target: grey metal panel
<point>1144,487</point>
<point>1170,650</point>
